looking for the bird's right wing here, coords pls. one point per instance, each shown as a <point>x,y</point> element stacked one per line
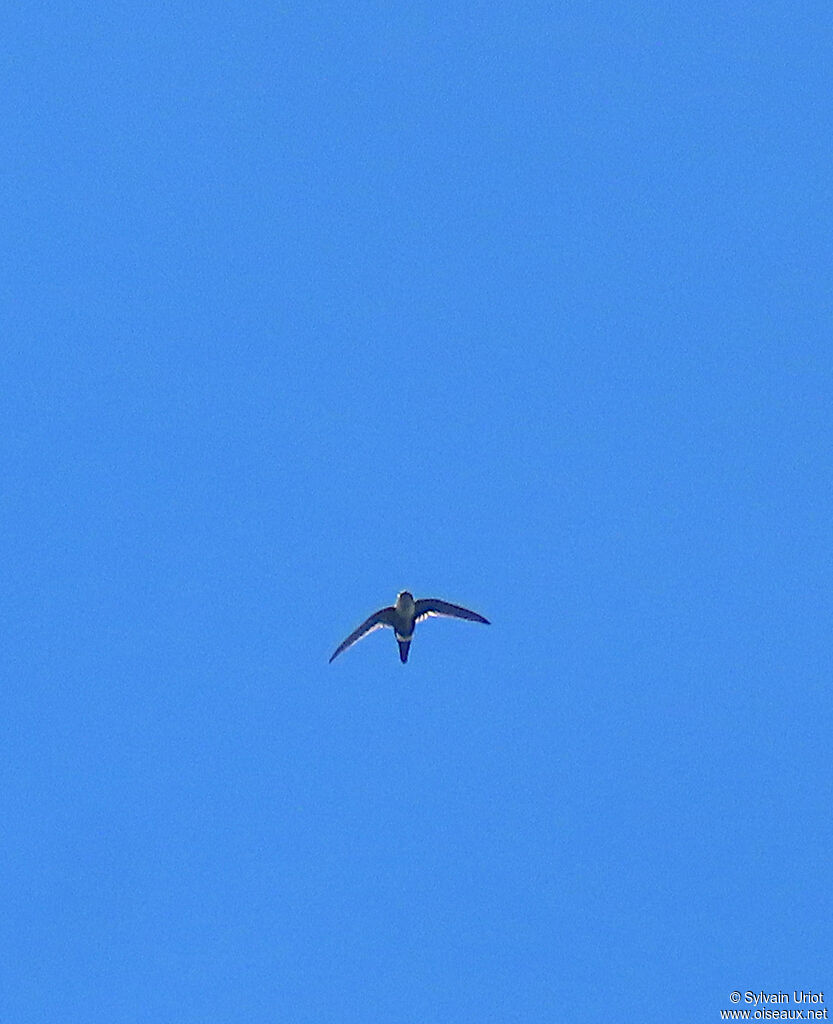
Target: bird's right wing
<point>384,617</point>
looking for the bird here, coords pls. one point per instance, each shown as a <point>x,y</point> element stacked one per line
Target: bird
<point>403,616</point>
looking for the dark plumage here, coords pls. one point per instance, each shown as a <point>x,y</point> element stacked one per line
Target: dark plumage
<point>403,616</point>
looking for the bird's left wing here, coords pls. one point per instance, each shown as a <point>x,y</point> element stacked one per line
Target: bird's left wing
<point>428,606</point>
<point>384,617</point>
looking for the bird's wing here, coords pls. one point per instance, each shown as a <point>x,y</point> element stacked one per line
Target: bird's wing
<point>384,617</point>
<point>428,606</point>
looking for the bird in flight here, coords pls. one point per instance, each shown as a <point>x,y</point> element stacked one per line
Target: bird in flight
<point>403,616</point>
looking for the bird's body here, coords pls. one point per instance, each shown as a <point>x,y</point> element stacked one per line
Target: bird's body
<point>404,620</point>
<point>403,617</point>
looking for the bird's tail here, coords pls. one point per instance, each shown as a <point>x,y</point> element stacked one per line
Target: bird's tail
<point>404,646</point>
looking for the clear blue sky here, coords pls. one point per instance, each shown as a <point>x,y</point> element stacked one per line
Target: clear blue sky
<point>525,306</point>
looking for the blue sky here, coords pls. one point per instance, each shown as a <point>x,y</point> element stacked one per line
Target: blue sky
<point>526,307</point>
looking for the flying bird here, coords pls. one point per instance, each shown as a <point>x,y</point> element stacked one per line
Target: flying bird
<point>403,616</point>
